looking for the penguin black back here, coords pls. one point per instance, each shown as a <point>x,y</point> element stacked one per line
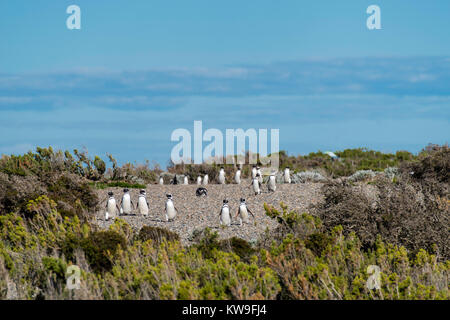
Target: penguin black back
<point>201,192</point>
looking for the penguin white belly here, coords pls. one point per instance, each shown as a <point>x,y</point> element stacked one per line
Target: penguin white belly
<point>272,185</point>
<point>225,218</point>
<point>237,178</point>
<point>142,204</point>
<point>126,204</point>
<point>256,186</point>
<point>253,173</point>
<point>222,178</point>
<point>199,180</point>
<point>170,211</point>
<point>186,181</point>
<point>243,213</point>
<point>205,180</point>
<point>161,181</point>
<point>111,208</point>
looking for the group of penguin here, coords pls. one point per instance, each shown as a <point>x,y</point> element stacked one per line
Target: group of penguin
<point>257,179</point>
<point>126,204</point>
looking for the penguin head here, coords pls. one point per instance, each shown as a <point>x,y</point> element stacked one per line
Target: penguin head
<point>242,200</point>
<point>225,201</point>
<point>257,168</point>
<point>169,196</point>
<point>110,193</point>
<point>142,191</point>
<point>125,190</point>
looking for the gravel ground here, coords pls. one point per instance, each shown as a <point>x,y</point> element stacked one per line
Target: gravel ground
<point>201,212</point>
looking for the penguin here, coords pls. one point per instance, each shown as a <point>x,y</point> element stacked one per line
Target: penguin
<point>225,218</point>
<point>258,172</point>
<point>256,185</point>
<point>254,171</point>
<point>287,176</point>
<point>243,212</point>
<point>126,205</point>
<point>161,180</point>
<point>186,180</point>
<point>237,176</point>
<point>222,176</point>
<point>111,207</point>
<point>142,204</point>
<point>201,192</point>
<point>199,180</point>
<point>171,211</point>
<point>271,184</point>
<point>205,179</point>
<point>174,180</point>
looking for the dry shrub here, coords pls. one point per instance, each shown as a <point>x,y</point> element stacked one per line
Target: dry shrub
<point>157,235</point>
<point>403,214</point>
<point>433,164</point>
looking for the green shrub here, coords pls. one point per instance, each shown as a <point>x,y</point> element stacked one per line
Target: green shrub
<point>318,242</point>
<point>101,248</point>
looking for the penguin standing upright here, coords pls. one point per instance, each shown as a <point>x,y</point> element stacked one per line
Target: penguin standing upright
<point>142,205</point>
<point>171,211</point>
<point>225,218</point>
<point>258,172</point>
<point>237,176</point>
<point>256,185</point>
<point>205,179</point>
<point>287,175</point>
<point>126,203</point>
<point>111,207</point>
<point>161,180</point>
<point>222,176</point>
<point>199,180</point>
<point>186,180</point>
<point>271,184</point>
<point>243,212</point>
<point>254,171</point>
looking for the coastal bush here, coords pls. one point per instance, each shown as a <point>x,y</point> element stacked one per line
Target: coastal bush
<point>157,235</point>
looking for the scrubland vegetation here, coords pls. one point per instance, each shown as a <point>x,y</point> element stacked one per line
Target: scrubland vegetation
<point>399,222</point>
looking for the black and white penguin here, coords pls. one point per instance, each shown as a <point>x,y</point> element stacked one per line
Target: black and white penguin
<point>271,184</point>
<point>111,207</point>
<point>256,185</point>
<point>222,176</point>
<point>243,212</point>
<point>254,171</point>
<point>126,205</point>
<point>225,217</point>
<point>186,179</point>
<point>199,180</point>
<point>201,192</point>
<point>161,180</point>
<point>142,204</point>
<point>259,173</point>
<point>205,179</point>
<point>237,176</point>
<point>171,211</point>
<point>287,175</point>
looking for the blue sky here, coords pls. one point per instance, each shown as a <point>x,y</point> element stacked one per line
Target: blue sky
<point>137,70</point>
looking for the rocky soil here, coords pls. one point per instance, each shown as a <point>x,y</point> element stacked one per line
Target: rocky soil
<point>197,213</point>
